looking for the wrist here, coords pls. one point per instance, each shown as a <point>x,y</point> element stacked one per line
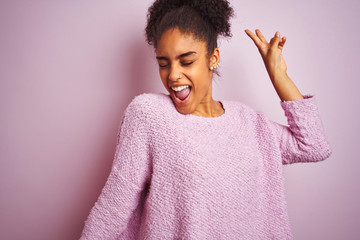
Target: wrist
<point>279,77</point>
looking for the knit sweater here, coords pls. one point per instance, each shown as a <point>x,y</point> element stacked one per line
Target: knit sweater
<point>179,176</point>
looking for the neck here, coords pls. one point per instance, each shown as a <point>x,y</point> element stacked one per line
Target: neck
<point>212,109</point>
<point>208,107</point>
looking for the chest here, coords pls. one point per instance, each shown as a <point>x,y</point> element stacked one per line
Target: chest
<point>207,152</point>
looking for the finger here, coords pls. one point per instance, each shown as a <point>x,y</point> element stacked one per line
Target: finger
<point>282,42</point>
<point>259,34</point>
<point>255,38</point>
<point>274,42</point>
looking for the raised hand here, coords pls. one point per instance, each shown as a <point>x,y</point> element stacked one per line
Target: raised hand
<point>271,53</point>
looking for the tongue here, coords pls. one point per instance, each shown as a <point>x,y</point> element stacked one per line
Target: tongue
<point>183,93</point>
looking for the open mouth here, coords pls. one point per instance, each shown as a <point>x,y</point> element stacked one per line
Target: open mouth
<point>181,93</point>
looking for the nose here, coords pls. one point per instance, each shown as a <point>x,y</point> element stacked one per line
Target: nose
<point>175,73</point>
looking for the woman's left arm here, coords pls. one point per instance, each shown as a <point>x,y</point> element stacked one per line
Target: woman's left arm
<point>304,139</point>
<point>271,53</point>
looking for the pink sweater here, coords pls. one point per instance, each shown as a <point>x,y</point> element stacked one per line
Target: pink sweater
<point>178,176</point>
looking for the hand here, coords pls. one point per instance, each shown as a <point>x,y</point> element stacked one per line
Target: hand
<point>271,53</point>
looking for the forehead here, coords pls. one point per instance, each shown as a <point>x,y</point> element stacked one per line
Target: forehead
<point>173,42</point>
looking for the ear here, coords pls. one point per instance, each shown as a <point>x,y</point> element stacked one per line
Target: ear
<point>214,59</point>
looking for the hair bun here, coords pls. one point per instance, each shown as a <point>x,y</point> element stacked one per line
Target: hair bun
<point>216,12</point>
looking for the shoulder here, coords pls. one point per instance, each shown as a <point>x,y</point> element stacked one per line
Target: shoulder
<point>149,99</point>
<point>239,109</point>
<point>149,105</point>
<point>247,117</point>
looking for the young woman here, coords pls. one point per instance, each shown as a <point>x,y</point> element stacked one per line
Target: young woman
<point>189,167</point>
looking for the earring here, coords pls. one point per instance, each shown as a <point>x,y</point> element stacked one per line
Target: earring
<point>213,68</point>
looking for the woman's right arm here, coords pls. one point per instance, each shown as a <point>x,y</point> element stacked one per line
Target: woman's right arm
<point>120,196</point>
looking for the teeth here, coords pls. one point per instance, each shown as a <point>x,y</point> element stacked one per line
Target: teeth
<point>177,89</point>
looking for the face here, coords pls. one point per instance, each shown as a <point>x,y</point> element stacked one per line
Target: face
<point>184,67</point>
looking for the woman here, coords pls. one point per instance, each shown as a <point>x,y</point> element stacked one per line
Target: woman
<point>189,167</point>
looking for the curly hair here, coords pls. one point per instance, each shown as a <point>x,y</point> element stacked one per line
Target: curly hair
<point>205,19</point>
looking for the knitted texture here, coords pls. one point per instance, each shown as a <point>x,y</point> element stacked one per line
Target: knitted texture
<point>178,176</point>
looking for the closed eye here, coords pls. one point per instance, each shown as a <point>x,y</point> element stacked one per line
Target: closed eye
<point>186,63</point>
<point>163,65</point>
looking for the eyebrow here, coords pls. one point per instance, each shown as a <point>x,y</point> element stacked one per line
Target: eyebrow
<point>180,56</point>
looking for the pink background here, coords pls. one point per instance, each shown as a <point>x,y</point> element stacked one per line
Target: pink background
<point>69,68</point>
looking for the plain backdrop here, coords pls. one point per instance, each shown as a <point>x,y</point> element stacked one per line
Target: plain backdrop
<point>68,69</point>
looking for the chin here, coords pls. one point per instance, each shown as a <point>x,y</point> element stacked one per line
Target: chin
<point>183,110</point>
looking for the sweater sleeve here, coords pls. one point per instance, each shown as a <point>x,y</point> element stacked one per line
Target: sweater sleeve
<point>304,139</point>
<point>110,216</point>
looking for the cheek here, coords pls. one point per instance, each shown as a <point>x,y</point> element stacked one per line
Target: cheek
<point>202,79</point>
<point>163,77</point>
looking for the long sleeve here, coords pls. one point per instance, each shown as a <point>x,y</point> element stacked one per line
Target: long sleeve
<point>111,215</point>
<point>304,139</point>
